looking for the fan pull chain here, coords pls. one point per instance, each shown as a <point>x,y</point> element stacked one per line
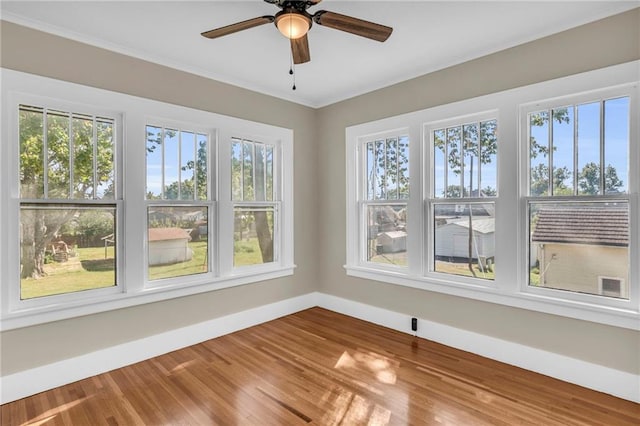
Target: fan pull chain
<point>292,68</point>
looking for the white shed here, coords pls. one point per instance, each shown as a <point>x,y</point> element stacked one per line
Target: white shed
<point>452,239</point>
<point>392,242</point>
<point>169,245</point>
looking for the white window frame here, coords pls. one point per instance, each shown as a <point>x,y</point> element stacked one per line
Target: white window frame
<point>134,114</point>
<point>364,202</point>
<point>227,204</point>
<point>431,200</point>
<point>210,203</point>
<point>588,96</point>
<point>601,284</point>
<point>13,153</point>
<point>510,285</point>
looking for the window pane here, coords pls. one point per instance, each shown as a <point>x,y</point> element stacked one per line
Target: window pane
<point>454,174</point>
<point>248,193</point>
<point>387,234</point>
<point>573,246</point>
<point>392,169</point>
<point>58,171</point>
<point>381,165</point>
<point>31,152</point>
<point>187,165</point>
<point>616,145</point>
<point>269,173</point>
<point>154,163</point>
<point>83,157</point>
<point>562,129</point>
<point>539,153</point>
<point>202,171</point>
<point>371,170</point>
<point>171,164</point>
<point>439,163</point>
<point>464,239</point>
<point>106,160</point>
<point>177,241</point>
<point>260,172</point>
<point>66,249</point>
<point>470,135</point>
<point>488,172</point>
<point>253,236</point>
<point>403,167</point>
<point>236,170</point>
<point>588,117</point>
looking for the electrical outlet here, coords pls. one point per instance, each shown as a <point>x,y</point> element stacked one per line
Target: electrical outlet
<point>414,324</point>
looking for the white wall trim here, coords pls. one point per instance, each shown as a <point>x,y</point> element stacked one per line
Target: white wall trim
<point>30,382</point>
<point>593,376</point>
<point>603,379</point>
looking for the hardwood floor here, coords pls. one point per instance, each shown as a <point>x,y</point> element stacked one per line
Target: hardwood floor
<point>322,368</point>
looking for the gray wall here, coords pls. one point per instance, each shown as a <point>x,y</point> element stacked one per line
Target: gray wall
<point>39,53</point>
<point>610,41</point>
<point>320,191</point>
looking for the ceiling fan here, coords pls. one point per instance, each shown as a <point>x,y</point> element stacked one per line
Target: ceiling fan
<point>293,21</point>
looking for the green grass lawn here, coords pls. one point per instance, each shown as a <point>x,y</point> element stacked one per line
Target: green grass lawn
<point>463,269</point>
<point>89,269</point>
<point>246,252</point>
<point>197,265</point>
<point>86,271</point>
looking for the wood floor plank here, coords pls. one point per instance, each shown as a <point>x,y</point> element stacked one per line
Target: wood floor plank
<point>317,367</point>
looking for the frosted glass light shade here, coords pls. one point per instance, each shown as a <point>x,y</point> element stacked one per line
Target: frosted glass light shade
<point>293,25</point>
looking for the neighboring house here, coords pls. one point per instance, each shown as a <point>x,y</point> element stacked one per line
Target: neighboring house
<point>392,242</point>
<point>452,238</point>
<point>169,245</point>
<point>583,250</point>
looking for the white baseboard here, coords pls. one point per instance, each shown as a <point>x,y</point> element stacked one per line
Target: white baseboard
<point>593,376</point>
<point>39,379</point>
<point>25,383</point>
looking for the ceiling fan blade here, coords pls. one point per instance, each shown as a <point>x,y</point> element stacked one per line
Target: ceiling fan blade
<point>352,25</point>
<point>238,26</point>
<point>300,50</point>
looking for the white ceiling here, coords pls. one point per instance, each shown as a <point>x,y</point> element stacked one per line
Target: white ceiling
<point>427,36</point>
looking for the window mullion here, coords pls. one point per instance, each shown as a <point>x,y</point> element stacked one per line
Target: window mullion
<point>602,147</point>
<point>45,152</point>
<point>550,150</point>
<point>162,168</point>
<point>95,157</point>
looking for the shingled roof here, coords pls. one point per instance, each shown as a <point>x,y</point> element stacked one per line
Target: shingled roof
<point>164,234</point>
<point>608,226</point>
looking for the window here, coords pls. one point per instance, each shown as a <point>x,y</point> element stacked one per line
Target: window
<point>464,172</point>
<point>527,198</point>
<point>578,203</point>
<point>68,225</point>
<point>385,202</point>
<point>90,223</point>
<point>255,211</point>
<point>611,287</point>
<point>178,202</point>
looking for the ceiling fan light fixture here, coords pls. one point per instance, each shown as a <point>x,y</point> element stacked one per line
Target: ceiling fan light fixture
<point>292,25</point>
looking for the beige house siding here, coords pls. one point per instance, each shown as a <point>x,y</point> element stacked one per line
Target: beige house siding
<point>579,267</point>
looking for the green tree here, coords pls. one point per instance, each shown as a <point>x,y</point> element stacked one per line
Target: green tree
<point>248,158</point>
<point>389,174</point>
<point>468,146</point>
<point>589,179</point>
<point>540,180</point>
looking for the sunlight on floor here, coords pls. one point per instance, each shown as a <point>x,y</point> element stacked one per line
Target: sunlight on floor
<point>383,369</point>
<point>48,415</point>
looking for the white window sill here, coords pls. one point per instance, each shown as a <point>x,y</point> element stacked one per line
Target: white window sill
<point>25,317</point>
<point>614,316</point>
